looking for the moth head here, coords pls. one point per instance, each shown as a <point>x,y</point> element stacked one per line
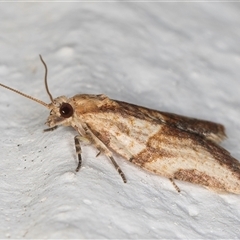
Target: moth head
<point>61,112</point>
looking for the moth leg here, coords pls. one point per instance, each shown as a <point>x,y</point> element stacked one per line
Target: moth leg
<point>118,169</point>
<point>98,153</point>
<point>175,185</point>
<point>102,149</point>
<point>50,129</point>
<point>77,140</point>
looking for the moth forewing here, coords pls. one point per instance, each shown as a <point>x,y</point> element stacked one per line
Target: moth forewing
<point>148,139</point>
<point>167,144</point>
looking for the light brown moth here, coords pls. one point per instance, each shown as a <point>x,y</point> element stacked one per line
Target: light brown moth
<point>167,144</point>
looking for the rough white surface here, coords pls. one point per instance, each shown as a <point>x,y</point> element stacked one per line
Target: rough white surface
<point>176,57</point>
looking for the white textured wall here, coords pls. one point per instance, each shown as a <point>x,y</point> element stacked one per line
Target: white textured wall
<point>177,57</point>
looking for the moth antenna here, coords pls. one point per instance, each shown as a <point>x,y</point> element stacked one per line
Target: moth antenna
<point>25,95</point>
<point>45,78</point>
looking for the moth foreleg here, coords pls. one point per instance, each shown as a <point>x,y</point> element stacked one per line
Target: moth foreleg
<point>77,140</point>
<point>175,185</point>
<point>50,129</point>
<point>102,148</point>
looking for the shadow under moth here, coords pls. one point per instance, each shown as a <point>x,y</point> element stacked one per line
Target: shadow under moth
<point>167,144</point>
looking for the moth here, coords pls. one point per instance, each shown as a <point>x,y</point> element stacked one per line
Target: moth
<point>170,145</point>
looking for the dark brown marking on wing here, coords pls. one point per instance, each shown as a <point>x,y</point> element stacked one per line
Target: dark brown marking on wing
<point>197,177</point>
<point>154,151</point>
<point>201,127</point>
<point>208,129</point>
<point>103,136</point>
<point>175,138</point>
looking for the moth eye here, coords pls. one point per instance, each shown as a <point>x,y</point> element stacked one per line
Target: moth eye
<point>66,110</point>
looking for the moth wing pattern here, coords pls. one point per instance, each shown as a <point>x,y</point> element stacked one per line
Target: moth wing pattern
<point>158,143</point>
<point>210,130</point>
<point>188,157</point>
